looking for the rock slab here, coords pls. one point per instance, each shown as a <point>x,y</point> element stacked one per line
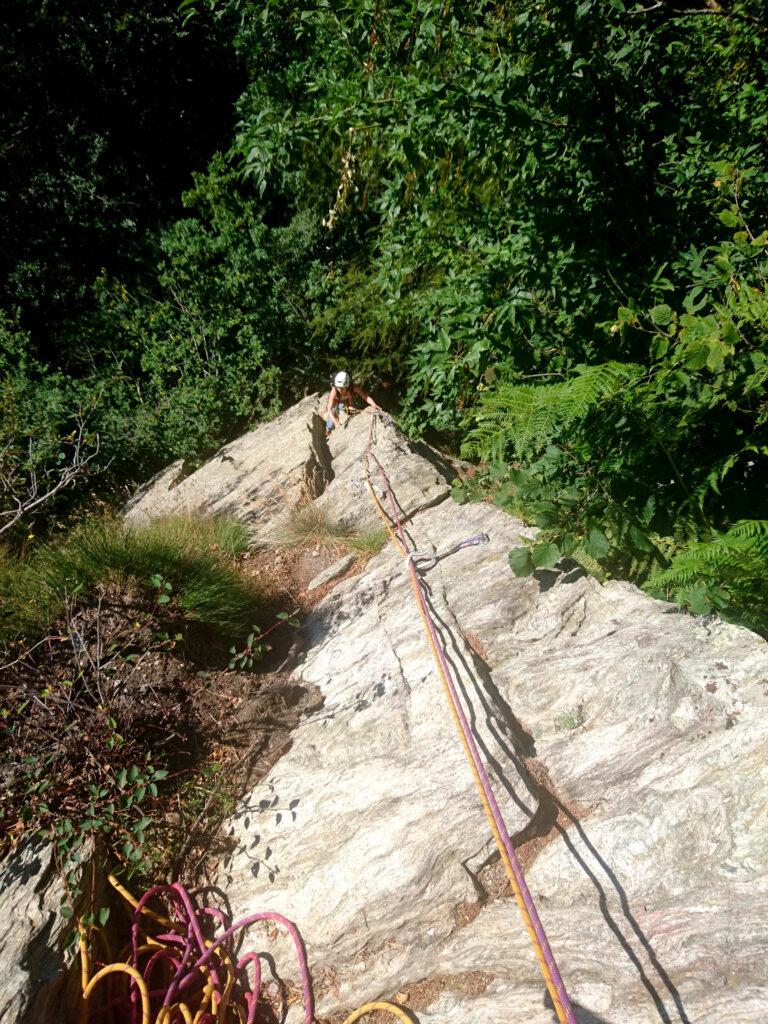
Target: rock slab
<point>626,738</point>
<point>627,742</point>
<point>338,568</point>
<point>35,970</point>
<point>257,478</point>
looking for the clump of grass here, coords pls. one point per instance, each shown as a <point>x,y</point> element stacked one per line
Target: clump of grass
<point>308,524</point>
<point>368,542</point>
<point>193,555</point>
<point>17,606</point>
<point>569,721</point>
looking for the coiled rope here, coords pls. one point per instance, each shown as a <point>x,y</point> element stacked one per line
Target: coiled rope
<point>514,872</point>
<point>201,979</point>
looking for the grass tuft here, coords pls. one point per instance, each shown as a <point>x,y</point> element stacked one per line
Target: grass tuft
<point>193,555</point>
<point>368,542</point>
<point>309,525</point>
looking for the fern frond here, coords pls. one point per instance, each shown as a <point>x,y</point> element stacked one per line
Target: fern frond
<point>687,528</point>
<point>523,417</point>
<point>757,380</point>
<point>754,532</point>
<point>750,528</point>
<point>587,562</point>
<point>738,558</point>
<point>641,567</point>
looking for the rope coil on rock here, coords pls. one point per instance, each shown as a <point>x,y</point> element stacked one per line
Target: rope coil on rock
<point>514,872</point>
<point>202,982</point>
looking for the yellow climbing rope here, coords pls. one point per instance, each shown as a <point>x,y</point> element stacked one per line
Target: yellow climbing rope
<point>512,867</point>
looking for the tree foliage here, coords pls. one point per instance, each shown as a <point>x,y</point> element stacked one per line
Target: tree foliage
<point>656,470</point>
<point>105,112</point>
<point>548,251</point>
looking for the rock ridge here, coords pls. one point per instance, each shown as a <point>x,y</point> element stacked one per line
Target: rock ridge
<point>626,702</point>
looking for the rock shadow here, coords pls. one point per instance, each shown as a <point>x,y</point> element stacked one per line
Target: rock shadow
<point>318,471</point>
<point>516,744</point>
<point>583,1016</point>
<point>444,467</point>
<point>25,862</point>
<point>565,572</point>
<point>251,846</point>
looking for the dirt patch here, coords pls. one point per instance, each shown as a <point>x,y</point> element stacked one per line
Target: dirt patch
<point>558,815</point>
<point>288,571</point>
<point>473,640</point>
<point>466,912</point>
<point>422,994</point>
<point>311,563</point>
<point>250,716</point>
<point>120,684</point>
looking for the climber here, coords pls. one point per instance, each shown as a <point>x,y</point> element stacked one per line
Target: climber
<point>342,397</point>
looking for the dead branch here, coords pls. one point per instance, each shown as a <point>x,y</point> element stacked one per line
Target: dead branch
<point>24,494</point>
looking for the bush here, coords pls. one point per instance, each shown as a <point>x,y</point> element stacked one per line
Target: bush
<point>184,559</point>
<point>96,708</point>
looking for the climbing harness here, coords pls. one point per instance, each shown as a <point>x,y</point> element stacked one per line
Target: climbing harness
<point>530,916</point>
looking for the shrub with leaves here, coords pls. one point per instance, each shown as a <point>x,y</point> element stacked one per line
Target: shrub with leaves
<point>654,470</point>
<point>255,646</point>
<point>99,704</point>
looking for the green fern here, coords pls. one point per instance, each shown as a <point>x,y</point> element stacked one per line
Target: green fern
<point>587,562</point>
<point>523,417</point>
<point>757,380</point>
<point>753,532</point>
<point>729,573</point>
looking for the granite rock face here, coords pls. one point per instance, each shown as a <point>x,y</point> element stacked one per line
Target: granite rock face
<point>627,738</point>
<point>261,476</point>
<point>256,478</point>
<point>420,477</point>
<point>338,568</point>
<point>35,971</point>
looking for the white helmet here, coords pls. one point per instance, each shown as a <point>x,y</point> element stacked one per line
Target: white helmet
<point>341,380</point>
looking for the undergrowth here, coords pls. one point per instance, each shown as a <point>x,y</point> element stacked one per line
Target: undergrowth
<point>101,703</point>
<point>193,554</point>
<point>652,468</point>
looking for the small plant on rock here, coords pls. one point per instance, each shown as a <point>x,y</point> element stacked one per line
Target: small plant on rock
<point>569,721</point>
<point>255,648</point>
